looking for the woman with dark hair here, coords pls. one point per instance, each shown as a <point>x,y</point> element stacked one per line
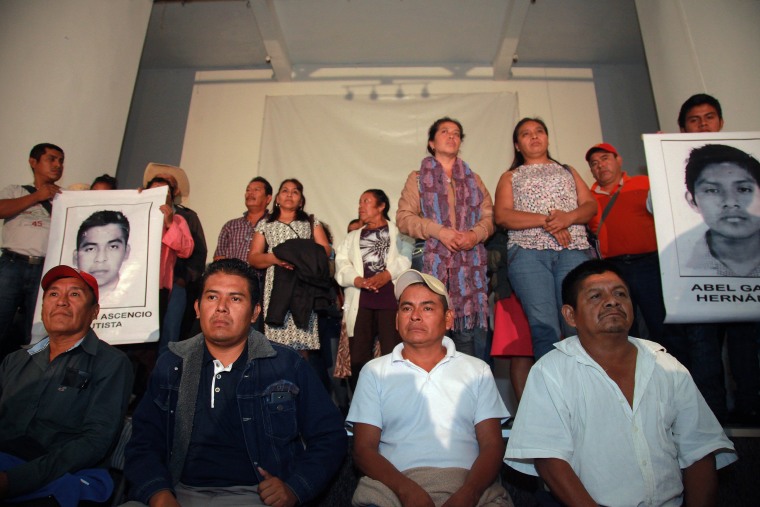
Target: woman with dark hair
<point>544,205</point>
<point>366,263</point>
<point>446,204</point>
<point>287,221</point>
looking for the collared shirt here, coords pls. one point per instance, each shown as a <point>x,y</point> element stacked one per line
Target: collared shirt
<point>427,418</point>
<point>624,455</point>
<point>72,406</point>
<point>217,455</point>
<point>700,260</point>
<point>628,228</point>
<point>235,237</point>
<point>27,232</point>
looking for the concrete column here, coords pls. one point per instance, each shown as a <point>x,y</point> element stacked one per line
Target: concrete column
<point>703,46</point>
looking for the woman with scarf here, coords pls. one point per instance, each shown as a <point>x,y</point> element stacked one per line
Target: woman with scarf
<point>545,206</point>
<point>287,221</point>
<point>446,204</point>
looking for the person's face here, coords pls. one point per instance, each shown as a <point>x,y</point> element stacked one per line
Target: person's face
<point>101,185</point>
<point>702,118</point>
<point>256,197</point>
<point>606,167</point>
<point>532,140</point>
<point>369,211</point>
<point>603,306</point>
<point>728,199</point>
<point>225,309</point>
<point>49,167</point>
<point>447,139</point>
<point>289,197</point>
<point>420,319</point>
<point>102,251</point>
<point>68,307</point>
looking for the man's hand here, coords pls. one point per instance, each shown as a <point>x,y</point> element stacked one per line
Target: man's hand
<point>163,498</point>
<point>462,498</point>
<point>168,215</point>
<point>412,495</point>
<point>275,492</point>
<point>47,191</point>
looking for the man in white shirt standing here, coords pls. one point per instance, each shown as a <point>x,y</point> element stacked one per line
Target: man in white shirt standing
<point>607,419</point>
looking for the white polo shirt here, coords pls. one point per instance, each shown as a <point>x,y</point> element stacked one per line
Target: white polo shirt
<point>427,418</point>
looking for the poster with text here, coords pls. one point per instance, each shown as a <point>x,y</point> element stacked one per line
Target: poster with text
<point>114,235</point>
<point>706,203</point>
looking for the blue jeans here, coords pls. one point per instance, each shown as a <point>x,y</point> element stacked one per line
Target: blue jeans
<point>536,277</point>
<point>472,342</point>
<point>19,285</point>
<point>172,323</point>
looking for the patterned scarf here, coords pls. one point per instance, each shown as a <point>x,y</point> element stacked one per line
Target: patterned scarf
<point>464,273</point>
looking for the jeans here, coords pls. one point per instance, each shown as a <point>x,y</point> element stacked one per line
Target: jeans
<point>20,284</point>
<point>536,277</point>
<point>472,342</point>
<point>172,322</point>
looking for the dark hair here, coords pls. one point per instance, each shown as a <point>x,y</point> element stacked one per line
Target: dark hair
<point>380,198</point>
<point>159,179</point>
<point>267,185</point>
<point>234,267</point>
<point>40,149</point>
<point>433,130</point>
<point>519,158</point>
<point>694,101</point>
<point>300,213</point>
<point>709,154</point>
<point>100,219</point>
<point>571,285</point>
<point>107,179</point>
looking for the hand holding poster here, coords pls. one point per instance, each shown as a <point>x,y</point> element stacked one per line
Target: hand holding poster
<point>116,237</point>
<point>706,201</point>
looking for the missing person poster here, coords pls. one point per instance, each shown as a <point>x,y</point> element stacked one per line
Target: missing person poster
<point>115,236</point>
<point>706,202</point>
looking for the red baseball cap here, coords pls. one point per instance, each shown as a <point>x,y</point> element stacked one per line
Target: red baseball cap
<point>62,271</point>
<point>601,147</point>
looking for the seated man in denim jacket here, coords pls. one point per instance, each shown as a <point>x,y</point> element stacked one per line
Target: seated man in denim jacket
<point>231,417</point>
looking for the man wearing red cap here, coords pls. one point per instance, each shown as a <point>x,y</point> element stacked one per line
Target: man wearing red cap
<point>62,401</point>
<point>625,228</point>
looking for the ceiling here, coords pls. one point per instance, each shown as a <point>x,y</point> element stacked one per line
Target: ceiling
<point>296,38</point>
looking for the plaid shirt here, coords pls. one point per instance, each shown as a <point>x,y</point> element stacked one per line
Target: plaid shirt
<point>235,238</point>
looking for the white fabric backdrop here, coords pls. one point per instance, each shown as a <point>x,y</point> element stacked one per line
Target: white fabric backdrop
<point>375,144</point>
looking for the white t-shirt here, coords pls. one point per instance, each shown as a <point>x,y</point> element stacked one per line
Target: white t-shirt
<point>26,233</point>
<point>427,418</point>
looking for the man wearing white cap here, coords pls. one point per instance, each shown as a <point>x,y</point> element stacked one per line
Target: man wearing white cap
<point>427,419</point>
<point>62,401</point>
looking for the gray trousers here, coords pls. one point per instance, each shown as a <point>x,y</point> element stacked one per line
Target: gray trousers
<point>232,496</point>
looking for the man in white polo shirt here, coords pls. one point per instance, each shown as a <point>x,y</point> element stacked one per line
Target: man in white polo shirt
<point>427,419</point>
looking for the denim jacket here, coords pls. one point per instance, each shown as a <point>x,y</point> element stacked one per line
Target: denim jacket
<point>292,428</point>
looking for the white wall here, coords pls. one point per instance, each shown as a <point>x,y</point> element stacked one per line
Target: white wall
<point>695,46</point>
<point>68,70</point>
<point>221,148</point>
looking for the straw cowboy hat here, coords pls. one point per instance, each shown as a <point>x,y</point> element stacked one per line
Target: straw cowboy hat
<point>153,169</point>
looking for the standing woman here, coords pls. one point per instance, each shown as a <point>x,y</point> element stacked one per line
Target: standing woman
<point>366,263</point>
<point>545,207</point>
<point>446,204</point>
<point>287,221</point>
